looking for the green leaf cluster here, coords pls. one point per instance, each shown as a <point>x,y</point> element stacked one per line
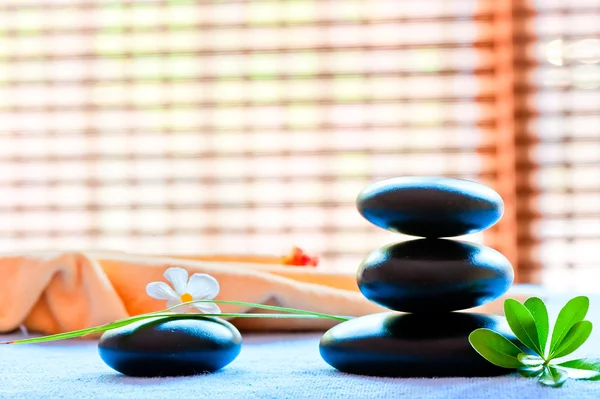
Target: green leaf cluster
<point>529,322</point>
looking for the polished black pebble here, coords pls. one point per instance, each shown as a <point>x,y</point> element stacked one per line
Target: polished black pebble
<point>411,345</point>
<point>169,347</point>
<point>434,275</point>
<point>430,206</point>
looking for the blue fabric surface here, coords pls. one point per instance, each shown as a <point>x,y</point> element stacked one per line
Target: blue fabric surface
<point>270,366</point>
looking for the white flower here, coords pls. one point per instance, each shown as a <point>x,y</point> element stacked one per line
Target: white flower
<point>199,286</point>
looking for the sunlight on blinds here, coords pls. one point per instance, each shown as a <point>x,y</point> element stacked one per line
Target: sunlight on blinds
<point>233,126</point>
<point>568,129</point>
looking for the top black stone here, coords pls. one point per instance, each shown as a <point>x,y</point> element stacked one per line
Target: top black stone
<point>430,206</point>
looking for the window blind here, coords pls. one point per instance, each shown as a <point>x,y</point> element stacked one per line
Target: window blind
<point>233,126</point>
<point>250,126</point>
<point>564,125</point>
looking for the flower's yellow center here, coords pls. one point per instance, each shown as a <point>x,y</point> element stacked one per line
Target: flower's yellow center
<point>186,298</point>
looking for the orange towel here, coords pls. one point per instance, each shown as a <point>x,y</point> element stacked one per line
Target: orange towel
<point>53,292</point>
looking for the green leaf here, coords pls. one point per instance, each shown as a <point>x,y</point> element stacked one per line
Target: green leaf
<point>582,369</point>
<point>576,336</point>
<point>531,372</point>
<point>269,307</point>
<point>574,311</point>
<point>295,314</point>
<point>530,360</point>
<point>540,315</point>
<point>495,348</point>
<point>86,331</point>
<point>522,324</point>
<point>124,322</point>
<point>553,377</point>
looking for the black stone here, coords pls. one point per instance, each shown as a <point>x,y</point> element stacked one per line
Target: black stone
<point>430,206</point>
<point>434,275</point>
<point>411,345</point>
<point>173,346</point>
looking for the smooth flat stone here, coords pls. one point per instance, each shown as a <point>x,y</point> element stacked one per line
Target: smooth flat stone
<point>171,347</point>
<point>430,206</point>
<point>434,275</point>
<point>411,345</point>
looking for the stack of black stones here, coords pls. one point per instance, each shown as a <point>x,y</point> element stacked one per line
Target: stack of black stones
<point>426,279</point>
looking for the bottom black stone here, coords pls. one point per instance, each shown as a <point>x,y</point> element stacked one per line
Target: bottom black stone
<point>178,345</point>
<point>411,345</point>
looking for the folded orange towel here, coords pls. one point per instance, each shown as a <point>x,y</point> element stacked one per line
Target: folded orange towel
<point>54,292</point>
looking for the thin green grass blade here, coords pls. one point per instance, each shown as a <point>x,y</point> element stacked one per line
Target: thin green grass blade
<point>267,307</point>
<point>86,331</point>
<point>293,314</point>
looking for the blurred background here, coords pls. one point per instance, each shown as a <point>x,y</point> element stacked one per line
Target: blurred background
<point>234,126</point>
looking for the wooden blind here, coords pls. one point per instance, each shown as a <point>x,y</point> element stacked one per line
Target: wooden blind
<point>561,138</point>
<point>547,134</point>
<point>248,126</point>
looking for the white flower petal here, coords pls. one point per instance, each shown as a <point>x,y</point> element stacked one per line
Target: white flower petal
<point>178,278</point>
<point>207,307</point>
<point>202,286</point>
<point>181,309</point>
<point>160,290</point>
<point>173,302</point>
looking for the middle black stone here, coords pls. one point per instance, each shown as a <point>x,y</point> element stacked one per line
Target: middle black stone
<point>434,275</point>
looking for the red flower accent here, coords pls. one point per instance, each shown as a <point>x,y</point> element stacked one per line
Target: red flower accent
<point>298,257</point>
